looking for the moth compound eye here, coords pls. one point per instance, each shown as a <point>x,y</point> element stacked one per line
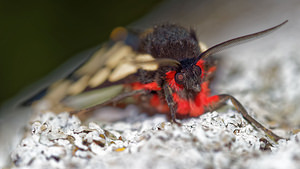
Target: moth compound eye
<point>197,69</point>
<point>179,78</point>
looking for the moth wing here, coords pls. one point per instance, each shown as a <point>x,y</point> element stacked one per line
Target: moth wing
<point>99,78</point>
<point>119,67</point>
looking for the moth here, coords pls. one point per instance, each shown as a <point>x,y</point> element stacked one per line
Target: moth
<point>165,69</point>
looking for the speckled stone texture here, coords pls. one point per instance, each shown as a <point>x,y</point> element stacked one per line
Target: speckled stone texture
<point>214,140</point>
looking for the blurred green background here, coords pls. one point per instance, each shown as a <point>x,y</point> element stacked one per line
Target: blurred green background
<point>38,36</point>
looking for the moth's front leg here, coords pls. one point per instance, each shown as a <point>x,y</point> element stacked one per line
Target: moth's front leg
<point>170,101</point>
<point>223,98</point>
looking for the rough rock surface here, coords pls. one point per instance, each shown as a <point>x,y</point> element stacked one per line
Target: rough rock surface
<point>214,140</point>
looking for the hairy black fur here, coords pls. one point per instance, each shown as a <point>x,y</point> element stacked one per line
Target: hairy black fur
<point>170,41</point>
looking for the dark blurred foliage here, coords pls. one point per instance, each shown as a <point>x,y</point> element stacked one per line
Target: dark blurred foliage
<point>38,36</point>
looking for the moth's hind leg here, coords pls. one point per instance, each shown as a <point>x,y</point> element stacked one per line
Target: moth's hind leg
<point>223,98</point>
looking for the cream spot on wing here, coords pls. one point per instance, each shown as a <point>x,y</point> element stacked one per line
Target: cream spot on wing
<point>92,65</point>
<point>149,66</point>
<point>58,90</point>
<point>118,55</point>
<point>78,86</point>
<point>146,58</point>
<point>99,59</point>
<point>122,70</point>
<point>99,77</point>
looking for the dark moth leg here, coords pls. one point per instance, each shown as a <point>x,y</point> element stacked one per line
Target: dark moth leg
<point>111,101</point>
<point>223,98</point>
<point>171,103</point>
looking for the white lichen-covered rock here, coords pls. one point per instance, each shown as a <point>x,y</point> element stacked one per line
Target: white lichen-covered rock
<point>214,140</point>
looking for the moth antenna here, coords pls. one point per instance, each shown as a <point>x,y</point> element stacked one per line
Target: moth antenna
<point>239,40</point>
<point>162,62</point>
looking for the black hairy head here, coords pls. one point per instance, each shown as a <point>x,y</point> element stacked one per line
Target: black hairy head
<point>170,41</point>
